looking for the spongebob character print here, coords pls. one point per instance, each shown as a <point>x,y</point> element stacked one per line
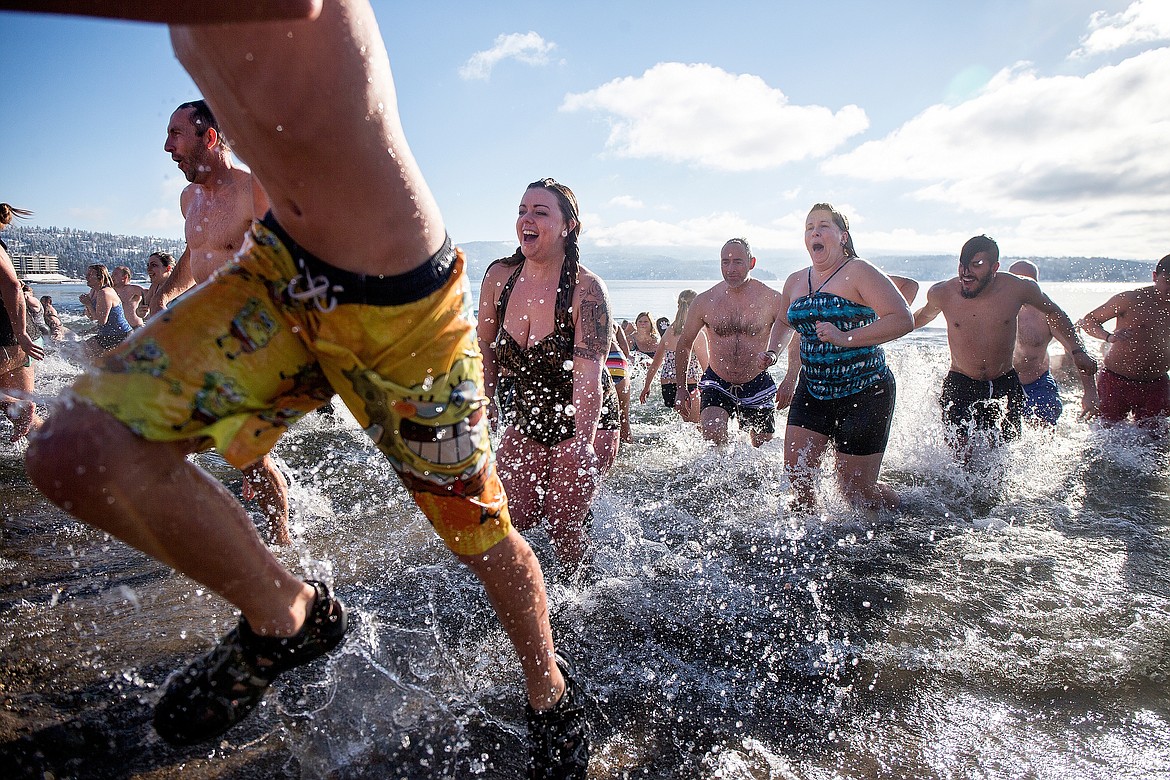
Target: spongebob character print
<point>272,336</point>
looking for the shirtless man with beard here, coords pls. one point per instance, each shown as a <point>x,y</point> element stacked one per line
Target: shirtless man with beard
<point>218,207</point>
<point>981,307</point>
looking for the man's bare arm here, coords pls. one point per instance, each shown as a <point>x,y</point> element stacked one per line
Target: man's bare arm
<point>929,310</point>
<point>175,11</point>
<point>1062,329</point>
<point>1093,323</point>
<point>686,339</point>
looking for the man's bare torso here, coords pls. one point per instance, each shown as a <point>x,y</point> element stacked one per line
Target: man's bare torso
<point>1032,339</point>
<point>217,217</point>
<point>264,83</point>
<point>1142,348</point>
<point>739,321</point>
<point>981,331</point>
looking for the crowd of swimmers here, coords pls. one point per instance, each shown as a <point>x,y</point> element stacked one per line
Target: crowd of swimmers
<point>328,270</point>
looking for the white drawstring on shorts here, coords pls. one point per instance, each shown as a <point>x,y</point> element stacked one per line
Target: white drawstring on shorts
<point>316,287</point>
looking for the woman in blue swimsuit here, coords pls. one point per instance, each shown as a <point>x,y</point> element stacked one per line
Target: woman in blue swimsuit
<point>841,392</point>
<point>103,306</point>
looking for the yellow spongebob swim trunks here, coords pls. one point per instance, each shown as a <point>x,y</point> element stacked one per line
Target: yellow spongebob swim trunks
<point>273,336</point>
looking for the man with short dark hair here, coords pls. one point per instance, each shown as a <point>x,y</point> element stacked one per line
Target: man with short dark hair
<point>1137,355</point>
<point>218,206</point>
<point>981,307</point>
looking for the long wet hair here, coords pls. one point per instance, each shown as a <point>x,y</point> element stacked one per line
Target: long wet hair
<point>841,221</point>
<point>684,305</point>
<point>569,212</point>
<point>9,212</point>
<point>107,280</point>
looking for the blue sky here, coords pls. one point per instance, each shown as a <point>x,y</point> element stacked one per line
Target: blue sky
<point>1044,123</point>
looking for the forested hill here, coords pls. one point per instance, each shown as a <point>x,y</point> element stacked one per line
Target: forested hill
<point>76,249</point>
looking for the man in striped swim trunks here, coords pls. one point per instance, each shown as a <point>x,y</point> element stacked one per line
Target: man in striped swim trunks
<point>739,314</point>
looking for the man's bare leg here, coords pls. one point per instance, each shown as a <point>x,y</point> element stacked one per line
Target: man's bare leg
<point>514,584</point>
<point>264,484</point>
<point>149,495</point>
<point>713,422</point>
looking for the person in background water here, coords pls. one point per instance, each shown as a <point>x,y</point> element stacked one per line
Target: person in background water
<point>1042,402</point>
<point>159,267</point>
<point>982,307</point>
<point>103,306</point>
<point>35,311</point>
<point>350,283</point>
<point>57,330</point>
<point>644,339</point>
<point>131,295</point>
<point>841,391</point>
<point>664,357</point>
<point>545,330</point>
<point>20,342</point>
<point>627,329</point>
<point>617,365</point>
<point>739,314</point>
<point>1137,354</point>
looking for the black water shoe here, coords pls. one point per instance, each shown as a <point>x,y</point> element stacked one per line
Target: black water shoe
<point>218,689</point>
<point>560,736</point>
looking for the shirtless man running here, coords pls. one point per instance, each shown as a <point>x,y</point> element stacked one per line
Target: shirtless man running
<point>350,285</point>
<point>130,295</point>
<point>1033,335</point>
<point>1138,354</point>
<point>218,206</point>
<point>739,313</point>
<point>981,307</point>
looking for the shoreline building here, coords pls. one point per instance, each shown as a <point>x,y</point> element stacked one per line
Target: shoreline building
<point>38,268</point>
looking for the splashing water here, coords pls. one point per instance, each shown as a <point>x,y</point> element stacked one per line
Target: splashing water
<point>1012,620</point>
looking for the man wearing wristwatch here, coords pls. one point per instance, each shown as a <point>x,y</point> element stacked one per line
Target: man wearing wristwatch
<point>740,314</point>
<point>1138,356</point>
<point>1042,402</point>
<point>981,307</point>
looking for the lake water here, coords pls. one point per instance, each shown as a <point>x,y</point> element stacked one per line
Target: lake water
<point>1012,621</point>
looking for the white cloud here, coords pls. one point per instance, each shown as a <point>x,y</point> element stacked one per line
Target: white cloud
<point>1145,21</point>
<point>1085,153</point>
<point>703,115</point>
<point>529,48</point>
<point>163,221</point>
<point>626,202</point>
<point>709,230</point>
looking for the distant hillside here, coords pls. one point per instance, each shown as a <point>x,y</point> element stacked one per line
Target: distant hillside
<point>1052,269</point>
<point>610,263</point>
<point>76,249</point>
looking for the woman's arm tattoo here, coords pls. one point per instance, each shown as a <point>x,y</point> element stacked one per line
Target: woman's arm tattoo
<point>594,324</point>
